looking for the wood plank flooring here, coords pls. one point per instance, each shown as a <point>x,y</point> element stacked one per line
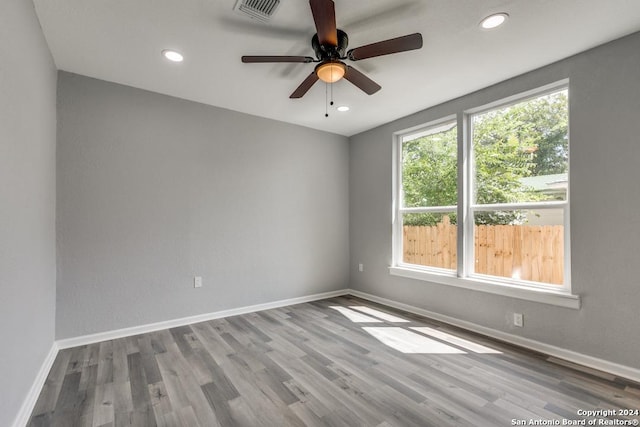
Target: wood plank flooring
<point>336,362</point>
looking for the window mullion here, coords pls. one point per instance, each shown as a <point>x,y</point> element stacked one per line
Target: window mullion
<point>463,195</point>
<point>518,206</point>
<point>429,209</point>
<point>398,201</point>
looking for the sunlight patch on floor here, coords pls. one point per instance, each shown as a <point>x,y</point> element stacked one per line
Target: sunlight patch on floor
<point>354,316</point>
<point>409,342</point>
<point>468,345</point>
<point>379,314</point>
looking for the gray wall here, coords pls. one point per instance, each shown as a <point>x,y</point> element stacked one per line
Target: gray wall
<point>605,211</point>
<point>154,190</point>
<point>27,202</point>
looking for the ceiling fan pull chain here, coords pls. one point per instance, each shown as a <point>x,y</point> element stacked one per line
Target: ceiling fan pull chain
<point>326,100</point>
<point>331,103</point>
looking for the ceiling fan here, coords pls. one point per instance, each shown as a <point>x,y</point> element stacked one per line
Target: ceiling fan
<point>330,46</point>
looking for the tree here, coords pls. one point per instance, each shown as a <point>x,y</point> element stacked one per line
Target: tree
<point>539,125</point>
<point>521,140</point>
<point>429,175</point>
<point>430,170</point>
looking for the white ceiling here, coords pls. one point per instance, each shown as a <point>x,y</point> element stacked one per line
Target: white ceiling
<point>121,41</point>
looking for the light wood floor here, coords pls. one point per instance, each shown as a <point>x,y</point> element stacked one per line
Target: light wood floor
<point>319,364</point>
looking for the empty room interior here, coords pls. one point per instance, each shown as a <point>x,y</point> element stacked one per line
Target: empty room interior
<point>322,213</point>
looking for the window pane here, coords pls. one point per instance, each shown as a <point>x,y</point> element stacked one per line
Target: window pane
<point>524,245</point>
<point>521,152</point>
<point>429,167</point>
<point>430,239</point>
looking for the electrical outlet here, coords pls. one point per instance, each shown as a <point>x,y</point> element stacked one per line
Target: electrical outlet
<point>518,320</point>
<point>361,267</point>
<point>197,282</point>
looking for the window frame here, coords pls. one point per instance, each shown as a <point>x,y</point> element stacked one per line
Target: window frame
<point>465,276</point>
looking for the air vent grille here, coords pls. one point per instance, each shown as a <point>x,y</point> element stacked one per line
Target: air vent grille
<point>257,9</point>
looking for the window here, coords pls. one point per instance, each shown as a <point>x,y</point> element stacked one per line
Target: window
<point>429,196</point>
<point>489,205</point>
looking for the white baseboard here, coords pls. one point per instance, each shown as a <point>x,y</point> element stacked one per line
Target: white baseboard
<point>135,330</point>
<point>30,400</point>
<point>561,353</point>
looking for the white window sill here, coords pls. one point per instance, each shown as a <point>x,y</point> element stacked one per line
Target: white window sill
<point>559,298</point>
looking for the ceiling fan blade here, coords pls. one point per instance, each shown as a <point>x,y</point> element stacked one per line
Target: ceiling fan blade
<point>305,86</point>
<point>361,81</point>
<point>386,47</point>
<point>261,59</point>
<point>324,15</point>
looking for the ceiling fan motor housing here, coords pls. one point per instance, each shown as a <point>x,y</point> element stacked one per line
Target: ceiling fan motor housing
<point>331,52</point>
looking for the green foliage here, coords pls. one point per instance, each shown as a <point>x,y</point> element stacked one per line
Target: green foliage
<point>540,127</point>
<point>526,139</point>
<point>430,170</point>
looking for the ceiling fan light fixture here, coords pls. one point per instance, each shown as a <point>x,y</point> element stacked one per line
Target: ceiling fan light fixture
<point>331,71</point>
<point>494,20</point>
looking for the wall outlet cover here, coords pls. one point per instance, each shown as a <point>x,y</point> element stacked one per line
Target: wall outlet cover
<point>518,320</point>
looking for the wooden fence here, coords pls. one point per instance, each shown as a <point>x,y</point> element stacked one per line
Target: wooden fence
<point>525,252</point>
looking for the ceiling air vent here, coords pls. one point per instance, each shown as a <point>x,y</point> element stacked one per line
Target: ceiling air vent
<point>257,9</point>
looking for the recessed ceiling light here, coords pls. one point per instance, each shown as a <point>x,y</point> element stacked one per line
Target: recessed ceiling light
<point>493,21</point>
<point>343,108</point>
<point>172,55</point>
